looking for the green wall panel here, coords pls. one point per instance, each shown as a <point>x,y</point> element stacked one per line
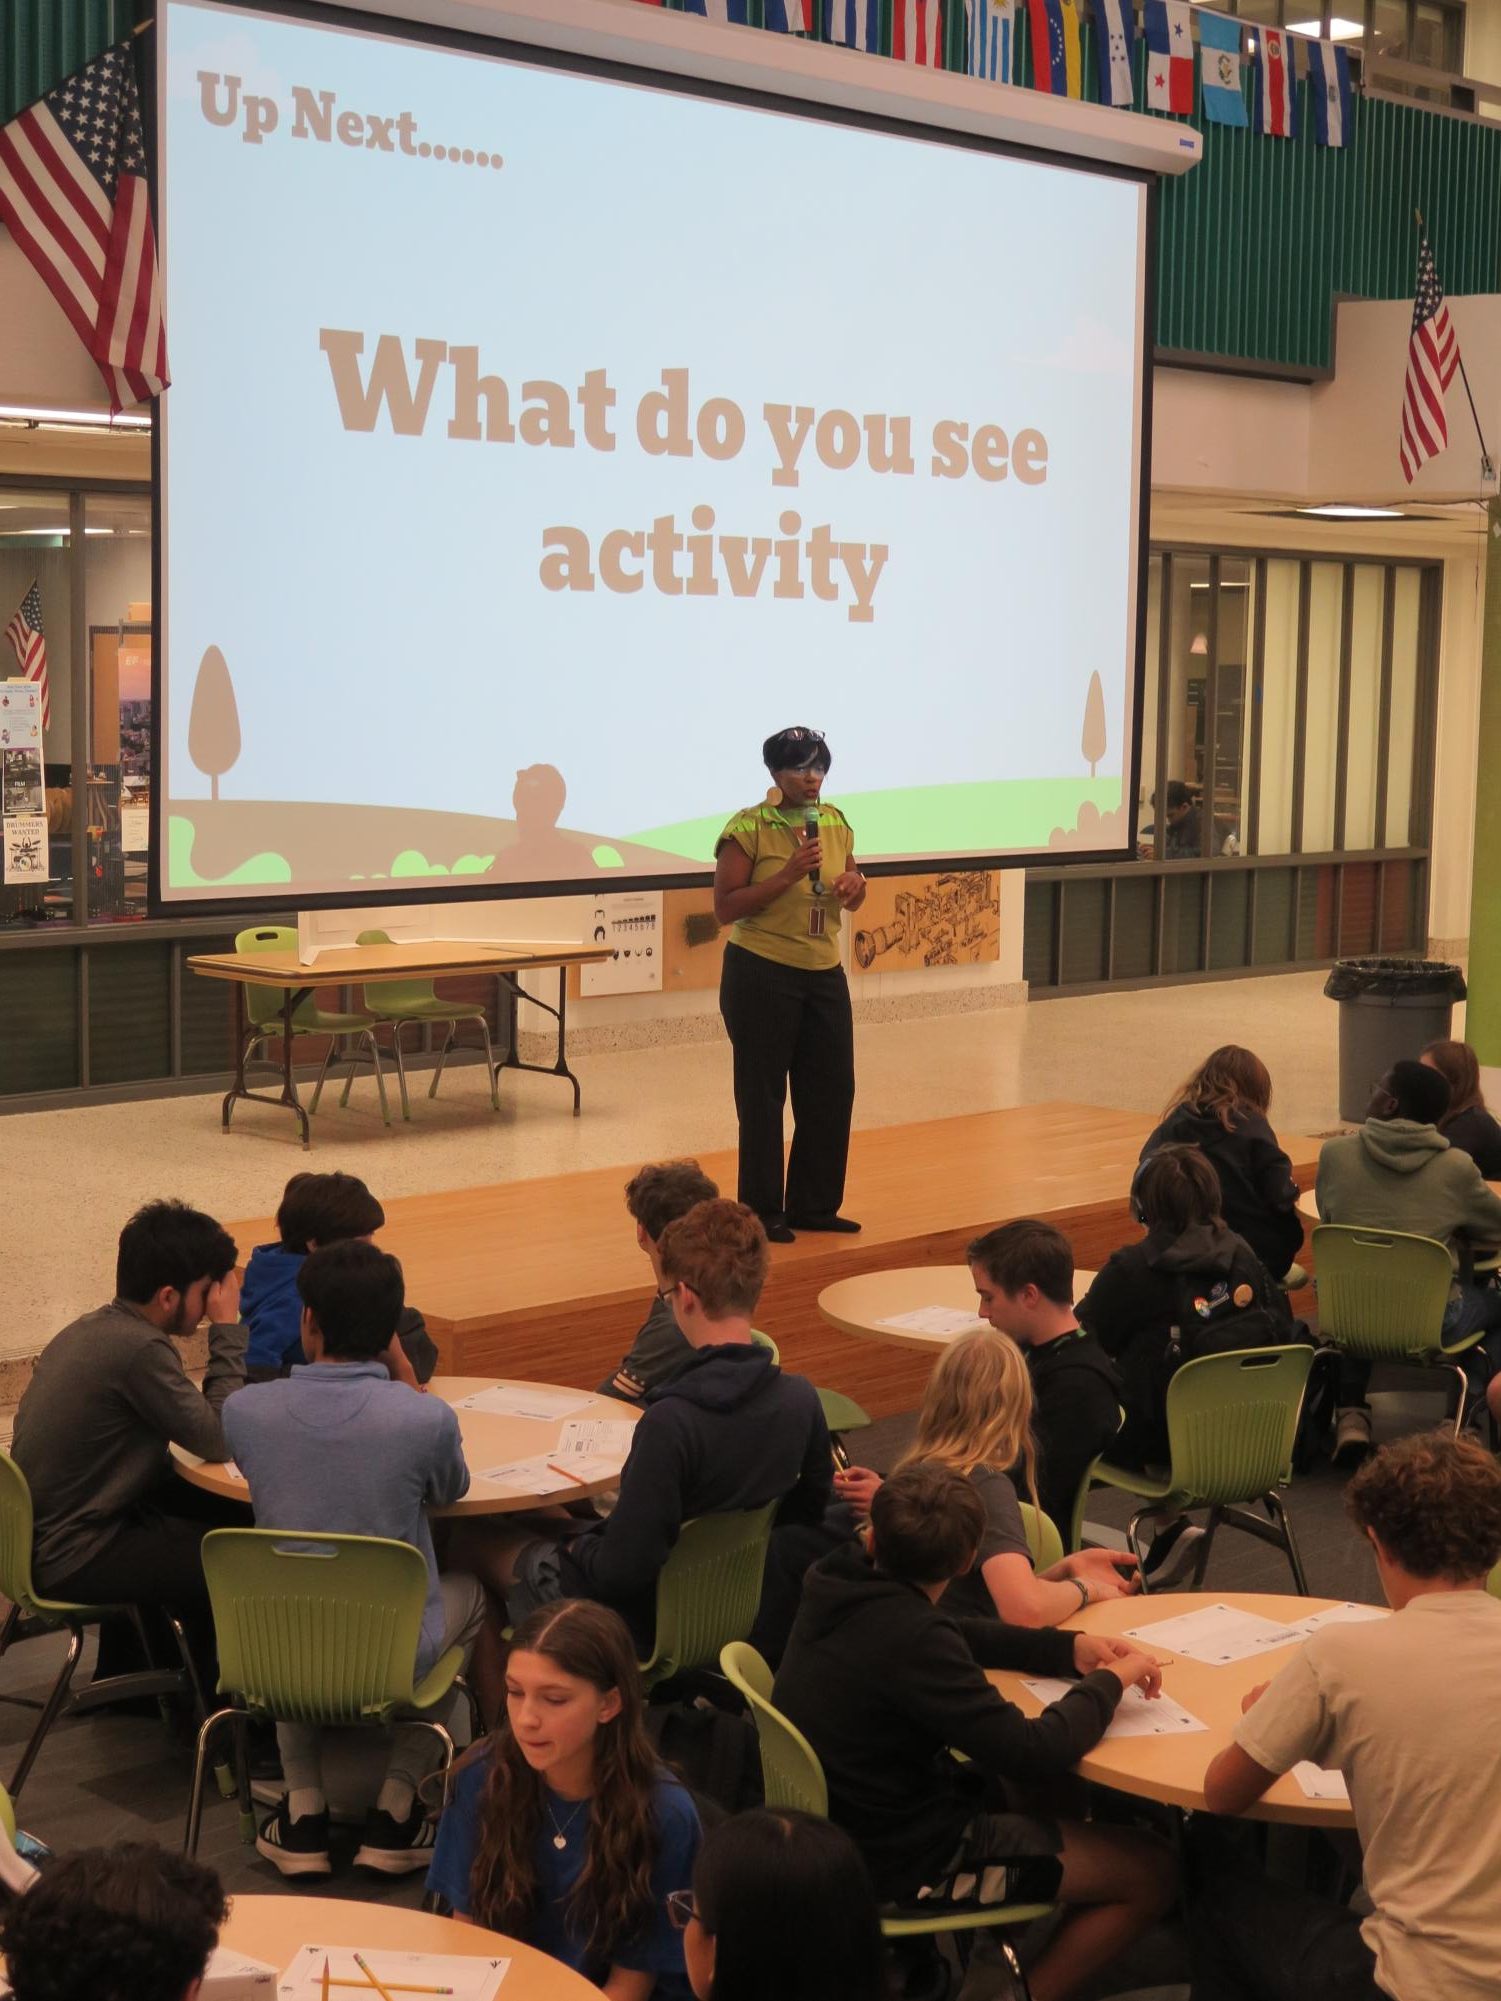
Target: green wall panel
<point>42,41</point>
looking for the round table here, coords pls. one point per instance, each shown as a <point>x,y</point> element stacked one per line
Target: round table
<point>1485,1258</point>
<point>862,1306</point>
<point>1171,1769</point>
<point>274,1928</point>
<point>490,1439</point>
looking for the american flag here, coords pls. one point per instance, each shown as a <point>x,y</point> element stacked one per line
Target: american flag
<point>73,194</point>
<point>25,635</point>
<point>1432,357</point>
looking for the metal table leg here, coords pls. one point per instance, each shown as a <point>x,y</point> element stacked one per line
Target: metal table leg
<point>511,986</point>
<point>294,997</point>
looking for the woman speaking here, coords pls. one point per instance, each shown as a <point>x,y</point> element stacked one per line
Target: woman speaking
<point>784,873</point>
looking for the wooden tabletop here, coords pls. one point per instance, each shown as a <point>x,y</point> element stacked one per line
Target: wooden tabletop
<point>490,1439</point>
<point>274,1928</point>
<point>862,1305</point>
<point>334,965</point>
<point>1171,1769</point>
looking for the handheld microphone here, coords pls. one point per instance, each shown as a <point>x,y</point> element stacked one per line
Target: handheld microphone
<point>814,878</point>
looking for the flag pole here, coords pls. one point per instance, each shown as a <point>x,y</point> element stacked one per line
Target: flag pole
<point>1487,463</point>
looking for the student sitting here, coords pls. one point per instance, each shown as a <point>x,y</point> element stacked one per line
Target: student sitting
<point>1024,1275</point>
<point>317,1209</point>
<point>884,1684</point>
<point>1400,1173</point>
<point>338,1447</point>
<point>976,1418</point>
<point>126,1923</point>
<point>564,1829</point>
<point>732,1432</point>
<point>1467,1124</point>
<point>111,1522</point>
<point>781,1909</point>
<point>1190,1264</point>
<point>1222,1110</point>
<point>1410,1711</point>
<point>655,1197</point>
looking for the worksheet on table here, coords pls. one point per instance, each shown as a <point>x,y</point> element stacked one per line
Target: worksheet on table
<point>1215,1635</point>
<point>525,1400</point>
<point>399,1973</point>
<point>1138,1715</point>
<point>938,1320</point>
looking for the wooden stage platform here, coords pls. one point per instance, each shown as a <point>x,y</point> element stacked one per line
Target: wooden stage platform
<point>543,1278</point>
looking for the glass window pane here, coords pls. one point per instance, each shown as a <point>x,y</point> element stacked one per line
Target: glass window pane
<point>1363,737</point>
<point>1437,36</point>
<point>34,549</point>
<point>1403,707</point>
<point>1148,781</point>
<point>1187,674</point>
<point>117,589</point>
<point>1232,735</point>
<point>1321,711</point>
<point>1279,690</point>
<point>1389,28</point>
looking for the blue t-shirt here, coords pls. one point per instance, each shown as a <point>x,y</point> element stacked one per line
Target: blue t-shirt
<point>658,1951</point>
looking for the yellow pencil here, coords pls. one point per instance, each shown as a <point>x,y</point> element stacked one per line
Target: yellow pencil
<point>391,1986</point>
<point>369,1974</point>
<point>325,1977</point>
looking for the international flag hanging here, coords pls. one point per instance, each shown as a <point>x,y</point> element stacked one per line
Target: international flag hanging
<point>1329,93</point>
<point>917,32</point>
<point>1115,50</point>
<point>992,40</point>
<point>1170,57</point>
<point>1057,52</point>
<point>1276,102</point>
<point>73,195</point>
<point>25,636</point>
<point>1432,358</point>
<point>854,23</point>
<point>789,17</point>
<point>732,13</point>
<point>1219,70</point>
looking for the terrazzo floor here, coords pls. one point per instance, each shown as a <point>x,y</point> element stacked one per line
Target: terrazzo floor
<point>74,1176</point>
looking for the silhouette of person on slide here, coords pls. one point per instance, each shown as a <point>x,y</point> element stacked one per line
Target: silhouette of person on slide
<point>538,800</point>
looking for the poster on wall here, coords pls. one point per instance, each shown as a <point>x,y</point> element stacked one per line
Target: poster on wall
<point>26,847</point>
<point>631,925</point>
<point>907,922</point>
<point>23,794</point>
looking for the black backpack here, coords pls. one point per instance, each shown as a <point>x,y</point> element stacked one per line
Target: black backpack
<point>1222,1312</point>
<point>714,1752</point>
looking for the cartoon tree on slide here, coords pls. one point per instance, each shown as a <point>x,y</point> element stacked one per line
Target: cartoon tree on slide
<point>1095,738</point>
<point>214,720</point>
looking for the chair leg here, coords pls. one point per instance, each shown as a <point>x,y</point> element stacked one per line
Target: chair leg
<point>328,1057</point>
<point>1135,1543</point>
<point>1289,1542</point>
<point>200,1765</point>
<point>1201,1560</point>
<point>492,1072</point>
<point>401,1068</point>
<point>445,1741</point>
<point>8,1630</point>
<point>50,1710</point>
<point>189,1667</point>
<point>242,1779</point>
<point>368,1035</point>
<point>1464,1391</point>
<point>432,1089</point>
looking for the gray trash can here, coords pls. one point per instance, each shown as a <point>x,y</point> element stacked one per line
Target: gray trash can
<point>1389,1009</point>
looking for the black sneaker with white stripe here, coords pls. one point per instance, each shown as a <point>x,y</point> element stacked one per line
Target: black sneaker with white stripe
<point>396,1847</point>
<point>297,1847</point>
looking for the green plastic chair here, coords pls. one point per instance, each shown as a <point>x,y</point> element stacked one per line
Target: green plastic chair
<point>31,1615</point>
<point>315,1629</point>
<point>794,1779</point>
<point>842,1413</point>
<point>1043,1538</point>
<point>264,1004</point>
<point>1493,1582</point>
<point>1076,1519</point>
<point>760,1340</point>
<point>709,1590</point>
<point>1231,1423</point>
<point>1382,1295</point>
<point>401,1001</point>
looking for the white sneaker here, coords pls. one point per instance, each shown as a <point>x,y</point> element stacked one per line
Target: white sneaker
<point>1352,1434</point>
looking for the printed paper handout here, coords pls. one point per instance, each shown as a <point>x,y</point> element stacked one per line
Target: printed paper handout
<point>1336,1615</point>
<point>26,847</point>
<point>595,1438</point>
<point>525,1400</point>
<point>402,1973</point>
<point>1217,1635</point>
<point>1317,1784</point>
<point>938,1320</point>
<point>1137,1716</point>
<point>550,1473</point>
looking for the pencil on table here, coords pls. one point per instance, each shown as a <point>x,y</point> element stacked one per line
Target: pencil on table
<point>369,1974</point>
<point>577,1478</point>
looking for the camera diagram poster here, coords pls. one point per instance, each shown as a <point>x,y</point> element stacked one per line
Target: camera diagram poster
<point>630,923</point>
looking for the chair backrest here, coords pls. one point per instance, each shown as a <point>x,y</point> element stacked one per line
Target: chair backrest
<point>1076,1523</point>
<point>391,996</point>
<point>1043,1538</point>
<point>15,1535</point>
<point>315,1629</point>
<point>264,1004</point>
<point>790,1770</point>
<point>760,1340</point>
<point>709,1590</point>
<point>1382,1293</point>
<point>1232,1420</point>
<point>1493,1582</point>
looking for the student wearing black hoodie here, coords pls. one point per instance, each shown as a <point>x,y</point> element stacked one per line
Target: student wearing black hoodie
<point>883,1685</point>
<point>1146,1290</point>
<point>1222,1110</point>
<point>732,1431</point>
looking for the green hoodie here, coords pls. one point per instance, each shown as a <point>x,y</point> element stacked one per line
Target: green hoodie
<point>1395,1174</point>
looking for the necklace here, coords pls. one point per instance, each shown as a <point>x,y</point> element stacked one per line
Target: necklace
<point>560,1834</point>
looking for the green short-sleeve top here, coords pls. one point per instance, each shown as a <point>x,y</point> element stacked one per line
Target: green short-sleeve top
<point>768,835</point>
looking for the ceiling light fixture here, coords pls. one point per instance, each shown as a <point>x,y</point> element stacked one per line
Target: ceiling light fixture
<point>77,420</point>
<point>1339,29</point>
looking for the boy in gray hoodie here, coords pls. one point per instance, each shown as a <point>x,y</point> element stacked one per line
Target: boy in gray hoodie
<point>1400,1173</point>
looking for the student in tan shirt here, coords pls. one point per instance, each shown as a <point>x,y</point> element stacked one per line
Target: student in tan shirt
<point>1409,1709</point>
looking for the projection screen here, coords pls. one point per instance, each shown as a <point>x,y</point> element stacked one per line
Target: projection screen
<point>540,440</point>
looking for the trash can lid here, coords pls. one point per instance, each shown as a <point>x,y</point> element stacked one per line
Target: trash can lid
<point>1435,979</point>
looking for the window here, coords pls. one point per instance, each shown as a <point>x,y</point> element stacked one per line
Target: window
<point>117,594</point>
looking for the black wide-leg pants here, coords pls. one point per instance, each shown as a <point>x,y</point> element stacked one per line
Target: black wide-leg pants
<point>790,1026</point>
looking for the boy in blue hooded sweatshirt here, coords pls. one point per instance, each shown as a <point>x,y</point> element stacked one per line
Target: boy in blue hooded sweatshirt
<point>316,1209</point>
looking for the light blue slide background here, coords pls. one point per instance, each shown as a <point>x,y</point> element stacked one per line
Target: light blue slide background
<point>377,597</point>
